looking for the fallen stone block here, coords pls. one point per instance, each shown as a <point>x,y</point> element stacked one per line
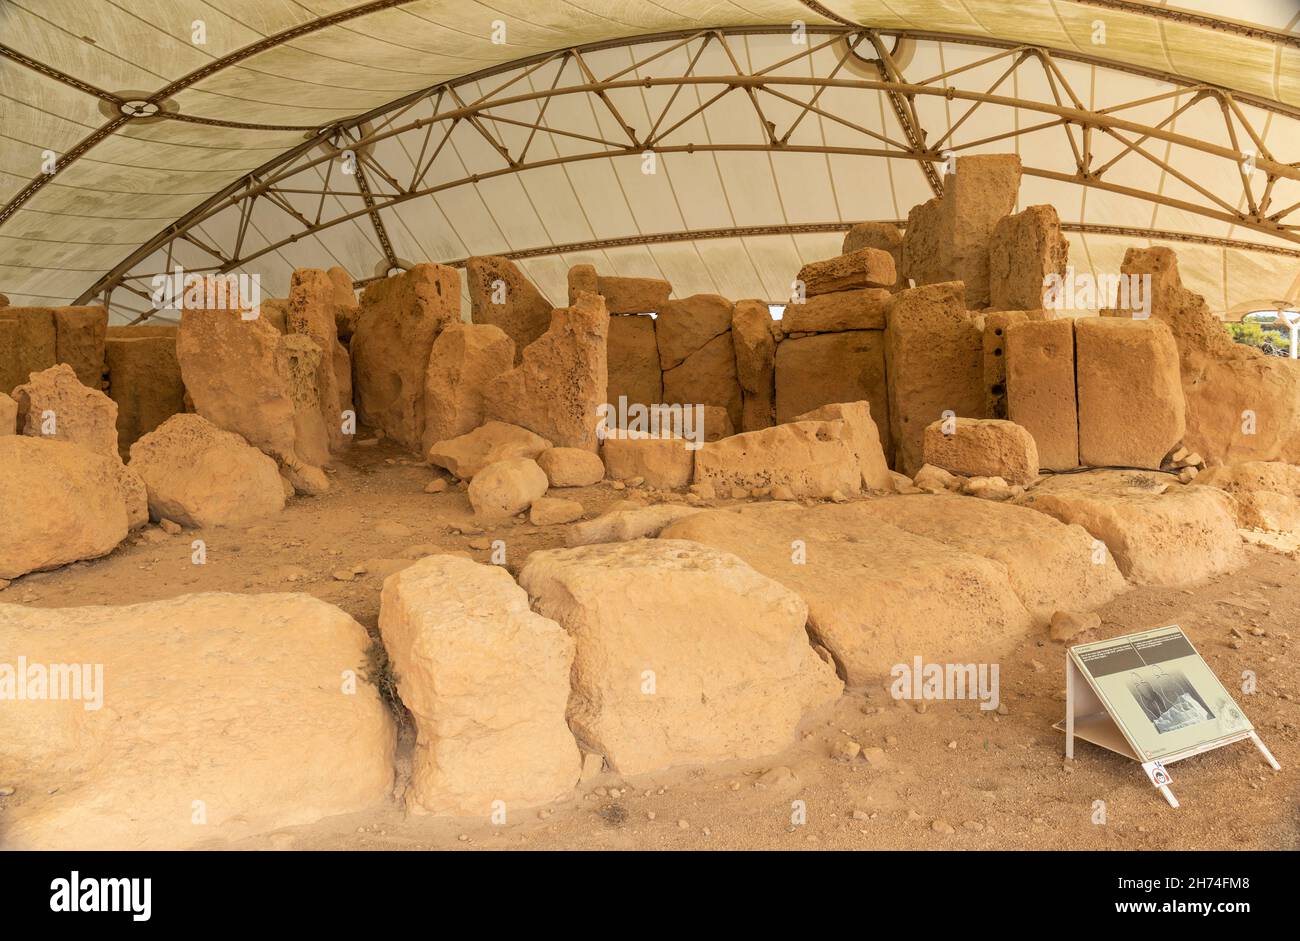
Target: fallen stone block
<point>462,361</point>
<point>934,355</point>
<point>626,521</point>
<point>60,503</point>
<point>1158,534</point>
<point>571,467</point>
<point>554,511</point>
<point>561,380</point>
<point>1041,394</point>
<point>1266,494</point>
<point>862,437</point>
<point>814,459</point>
<point>877,595</point>
<point>487,684</point>
<point>54,404</point>
<point>246,713</point>
<point>714,665</point>
<point>664,462</point>
<point>982,447</point>
<point>200,476</point>
<point>1131,411</point>
<point>500,295</point>
<point>467,454</point>
<point>505,488</point>
<point>398,321</point>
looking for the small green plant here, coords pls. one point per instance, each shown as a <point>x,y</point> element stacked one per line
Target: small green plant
<point>1254,334</point>
<point>379,672</point>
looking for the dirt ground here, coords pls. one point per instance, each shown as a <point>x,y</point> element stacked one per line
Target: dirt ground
<point>952,776</point>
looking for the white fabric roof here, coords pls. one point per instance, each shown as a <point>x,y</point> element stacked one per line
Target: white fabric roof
<point>72,60</point>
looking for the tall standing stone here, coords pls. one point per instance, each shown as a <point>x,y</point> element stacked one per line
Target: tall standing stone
<point>501,295</point>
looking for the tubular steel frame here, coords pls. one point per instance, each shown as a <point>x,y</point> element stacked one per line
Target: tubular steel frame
<point>308,172</point>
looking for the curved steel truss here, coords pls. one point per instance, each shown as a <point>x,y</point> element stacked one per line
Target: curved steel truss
<point>316,188</point>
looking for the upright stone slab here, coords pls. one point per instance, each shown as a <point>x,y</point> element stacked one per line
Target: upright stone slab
<point>501,295</point>
<point>562,379</point>
<point>463,360</point>
<point>707,377</point>
<point>1040,388</point>
<point>753,335</point>
<point>687,325</point>
<point>995,359</point>
<point>79,341</point>
<point>634,371</point>
<point>35,340</point>
<point>935,360</point>
<point>144,379</point>
<point>312,313</point>
<point>948,238</point>
<point>833,367</point>
<point>622,295</point>
<point>1025,249</point>
<point>1131,411</point>
<point>399,319</point>
<point>11,374</point>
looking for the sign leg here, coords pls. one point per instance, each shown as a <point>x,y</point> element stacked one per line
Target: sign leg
<point>1069,707</point>
<point>1268,755</point>
<point>1169,796</point>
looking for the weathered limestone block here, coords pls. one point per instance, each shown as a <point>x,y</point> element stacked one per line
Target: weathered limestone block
<point>346,307</point>
<point>60,502</point>
<point>200,476</point>
<point>1241,404</point>
<point>571,467</point>
<point>54,404</point>
<point>687,325</point>
<point>8,415</point>
<point>463,360</point>
<point>1040,388</point>
<point>311,311</point>
<point>79,341</point>
<point>507,487</point>
<point>11,374</point>
<point>562,379</point>
<point>948,238</point>
<point>753,337</point>
<point>501,295</point>
<point>399,319</point>
<point>995,324</point>
<point>863,438</point>
<point>487,683</point>
<point>733,672</point>
<point>834,367</point>
<point>554,511</point>
<point>37,339</point>
<point>665,462</point>
<point>1024,250</point>
<point>864,268</point>
<point>144,379</point>
<point>863,309</point>
<point>983,447</point>
<point>1266,494</point>
<point>882,235</point>
<point>934,354</point>
<point>622,295</point>
<point>634,372</point>
<point>311,434</point>
<point>907,596</point>
<point>814,459</point>
<point>1158,533</point>
<point>236,700</point>
<point>708,377</point>
<point>1131,411</point>
<point>626,521</point>
<point>493,441</point>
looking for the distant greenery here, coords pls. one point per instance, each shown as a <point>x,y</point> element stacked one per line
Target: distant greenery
<point>1256,335</point>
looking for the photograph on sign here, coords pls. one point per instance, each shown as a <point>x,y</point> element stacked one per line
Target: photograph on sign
<point>1163,696</point>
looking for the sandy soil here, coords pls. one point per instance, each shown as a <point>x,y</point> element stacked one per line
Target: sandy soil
<point>952,777</point>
